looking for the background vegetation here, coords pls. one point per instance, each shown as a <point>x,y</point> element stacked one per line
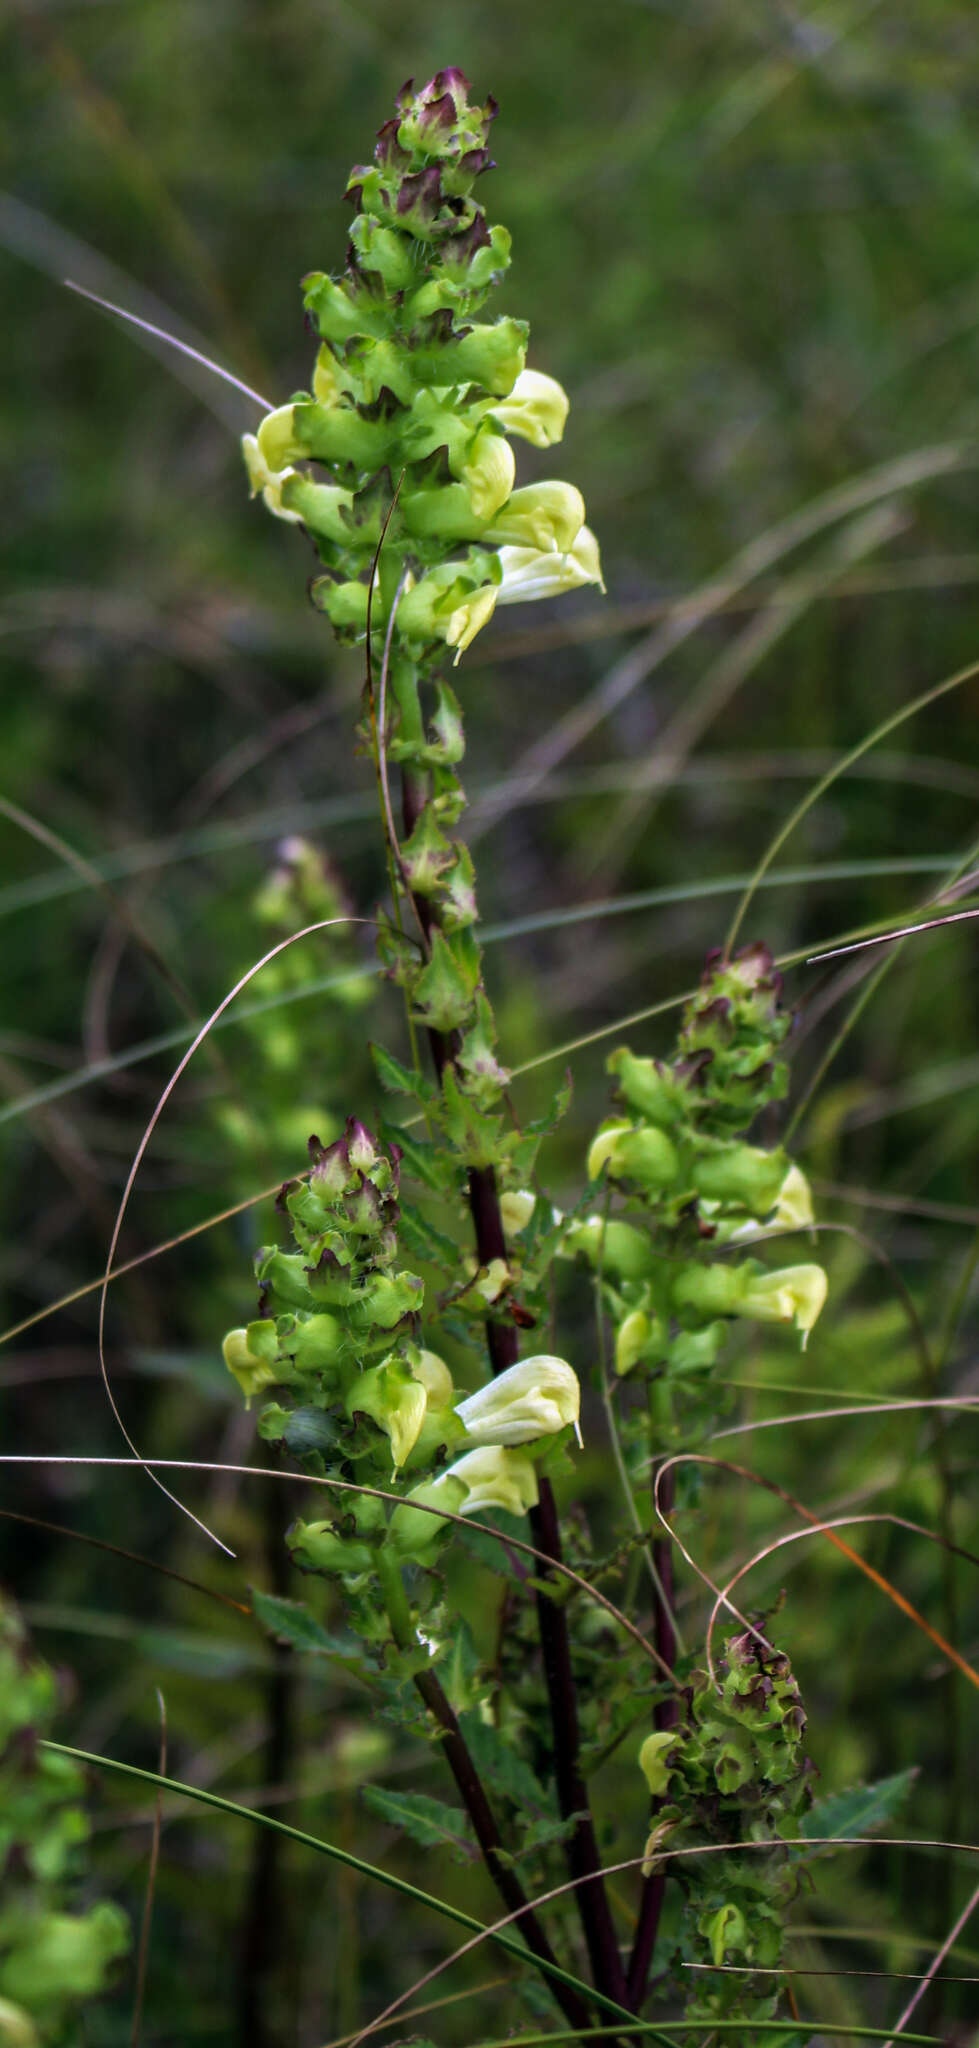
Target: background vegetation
<point>745,241</point>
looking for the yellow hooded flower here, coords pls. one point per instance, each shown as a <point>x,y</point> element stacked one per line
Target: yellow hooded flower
<point>269,481</point>
<point>251,1372</point>
<point>789,1294</point>
<point>548,516</point>
<point>489,472</point>
<point>469,618</point>
<point>533,1398</point>
<point>530,573</point>
<point>536,409</point>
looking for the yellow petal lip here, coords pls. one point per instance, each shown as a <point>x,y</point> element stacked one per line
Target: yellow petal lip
<point>530,573</point>
<point>433,1374</point>
<point>469,618</point>
<point>489,473</point>
<point>536,409</point>
<point>265,480</point>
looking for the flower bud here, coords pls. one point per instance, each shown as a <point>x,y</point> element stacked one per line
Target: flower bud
<point>314,1343</point>
<point>726,1932</point>
<point>383,250</point>
<point>631,1339</point>
<point>648,1087</point>
<point>386,1298</point>
<point>316,1547</point>
<point>394,1399</point>
<point>335,433</point>
<point>644,1155</point>
<point>416,1537</point>
<point>487,1285</point>
<point>345,604</point>
<point>328,386</point>
<point>652,1759</point>
<point>612,1247</point>
<point>251,1371</point>
<point>532,1398</point>
<point>338,316</point>
<point>536,409</point>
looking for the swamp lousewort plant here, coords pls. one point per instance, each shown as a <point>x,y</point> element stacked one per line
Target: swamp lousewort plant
<point>398,463</point>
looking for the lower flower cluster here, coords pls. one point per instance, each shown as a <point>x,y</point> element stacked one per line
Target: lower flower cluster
<point>338,1338</point>
<point>733,1780</point>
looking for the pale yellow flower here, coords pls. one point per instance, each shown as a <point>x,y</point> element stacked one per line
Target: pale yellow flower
<point>269,481</point>
<point>533,1398</point>
<point>536,409</point>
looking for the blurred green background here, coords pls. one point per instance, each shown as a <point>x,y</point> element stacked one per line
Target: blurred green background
<point>744,237</point>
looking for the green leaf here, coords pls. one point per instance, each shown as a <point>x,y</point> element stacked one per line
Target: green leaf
<point>426,855</point>
<point>421,1160</point>
<point>860,1809</point>
<point>485,1549</point>
<point>442,994</point>
<point>542,1126</point>
<point>420,1237</point>
<point>429,1822</point>
<point>460,1669</point>
<point>542,1834</point>
<point>290,1621</point>
<point>445,727</point>
<point>501,1766</point>
<point>399,1079</point>
<point>474,1131</point>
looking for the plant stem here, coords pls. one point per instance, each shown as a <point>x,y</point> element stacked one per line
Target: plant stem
<point>665,1714</point>
<point>582,1849</point>
<point>469,1784</point>
<point>264,1957</point>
